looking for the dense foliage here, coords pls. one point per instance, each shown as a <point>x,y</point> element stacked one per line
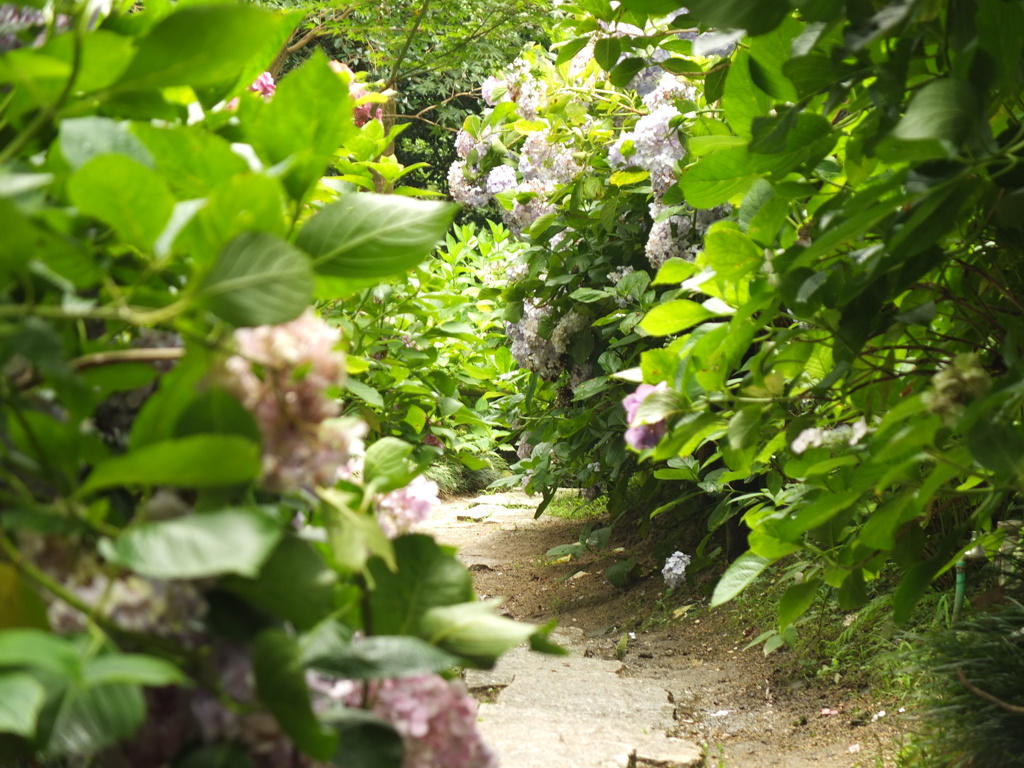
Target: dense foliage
<point>201,562</point>
<point>841,352</point>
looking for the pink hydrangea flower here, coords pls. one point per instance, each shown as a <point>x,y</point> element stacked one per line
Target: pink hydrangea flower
<point>264,85</point>
<point>362,113</point>
<point>435,717</point>
<point>401,509</point>
<point>641,436</point>
<point>283,375</point>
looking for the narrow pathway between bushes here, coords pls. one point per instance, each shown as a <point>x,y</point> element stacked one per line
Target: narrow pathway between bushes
<point>645,684</point>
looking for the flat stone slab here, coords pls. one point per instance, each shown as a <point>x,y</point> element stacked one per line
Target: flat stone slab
<point>575,712</point>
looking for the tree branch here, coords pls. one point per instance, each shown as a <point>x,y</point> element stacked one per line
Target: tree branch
<point>987,696</point>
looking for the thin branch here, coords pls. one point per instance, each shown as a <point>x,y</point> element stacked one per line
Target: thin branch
<point>985,695</point>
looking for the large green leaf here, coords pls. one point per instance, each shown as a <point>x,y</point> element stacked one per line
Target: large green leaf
<point>309,117</point>
<point>21,700</point>
<point>245,202</point>
<point>223,755</point>
<point>191,160</point>
<point>132,668</point>
<point>997,447</point>
<point>946,111</point>
<point>365,741</point>
<point>281,682</point>
<point>717,177</point>
<point>258,279</point>
<point>199,46</point>
<point>199,461</point>
<point>36,648</point>
<point>20,604</point>
<point>379,656</point>
<point>428,577</point>
<point>474,631</point>
<point>295,584</point>
<point>372,236</point>
<point>738,576</point>
<point>197,546</point>
<point>386,465</point>
<point>93,718</point>
<point>674,316</point>
<point>83,138</point>
<point>756,18</point>
<point>743,100</point>
<point>125,194</point>
<point>796,600</point>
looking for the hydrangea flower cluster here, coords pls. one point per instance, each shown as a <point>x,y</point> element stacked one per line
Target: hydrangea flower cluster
<point>656,147</point>
<point>462,189</point>
<point>679,235</point>
<point>435,717</point>
<point>517,84</point>
<point>531,350</point>
<point>264,85</point>
<point>282,374</point>
<point>362,113</point>
<point>543,160</point>
<point>955,385</point>
<point>19,24</point>
<point>815,437</point>
<point>401,509</point>
<point>545,357</point>
<point>640,436</point>
<point>674,571</point>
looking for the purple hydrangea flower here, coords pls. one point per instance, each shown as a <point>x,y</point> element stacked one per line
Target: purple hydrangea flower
<point>641,436</point>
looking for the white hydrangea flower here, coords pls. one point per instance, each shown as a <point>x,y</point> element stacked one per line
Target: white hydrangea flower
<point>674,571</point>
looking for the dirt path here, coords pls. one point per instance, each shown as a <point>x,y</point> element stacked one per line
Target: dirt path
<point>647,677</point>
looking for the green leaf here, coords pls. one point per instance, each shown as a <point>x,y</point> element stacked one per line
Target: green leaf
<point>36,648</point>
<point>756,18</point>
<point>745,427</point>
<point>998,447</point>
<point>158,418</point>
<point>94,718</point>
<point>675,271</point>
<point>281,682</point>
<point>20,605</point>
<point>373,236</point>
<point>796,600</point>
<point>192,161</point>
<point>197,546</point>
<point>386,464</point>
<point>474,631</point>
<point>83,138</point>
<point>365,392</point>
<point>365,741</point>
<point>674,316</point>
<point>132,668</point>
<point>625,71</point>
<point>743,100</point>
<point>198,46</point>
<point>717,177</point>
<point>738,576</point>
<point>380,656</point>
<point>309,117</point>
<point>427,577</point>
<point>947,110</point>
<point>731,254</point>
<point>258,279</point>
<point>125,194</point>
<point>199,461</point>
<point>607,51</point>
<point>622,573</point>
<point>294,583</point>
<point>21,700</point>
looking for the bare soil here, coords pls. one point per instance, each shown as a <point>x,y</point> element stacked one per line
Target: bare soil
<point>747,709</point>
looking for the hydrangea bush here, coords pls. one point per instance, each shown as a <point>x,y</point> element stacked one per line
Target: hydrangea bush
<point>198,520</point>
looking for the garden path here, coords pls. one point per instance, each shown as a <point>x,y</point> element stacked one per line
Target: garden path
<point>645,682</point>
